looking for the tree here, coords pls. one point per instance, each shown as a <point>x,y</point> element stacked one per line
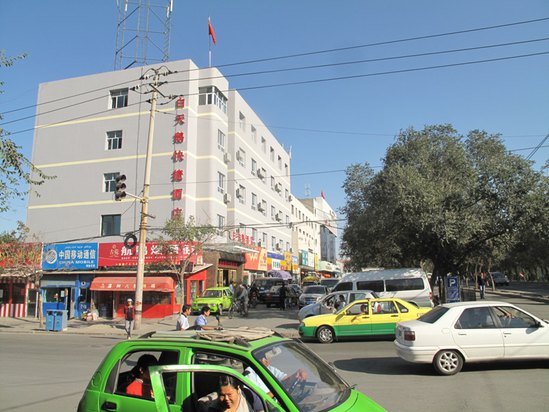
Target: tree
<point>184,233</point>
<point>14,166</point>
<point>443,198</point>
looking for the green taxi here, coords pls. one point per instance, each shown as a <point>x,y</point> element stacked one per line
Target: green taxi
<point>217,299</point>
<point>278,373</point>
<point>367,317</point>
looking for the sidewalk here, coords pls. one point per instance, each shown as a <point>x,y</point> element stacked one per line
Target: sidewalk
<point>284,322</point>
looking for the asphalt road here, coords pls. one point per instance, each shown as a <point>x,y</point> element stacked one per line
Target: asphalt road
<point>48,372</point>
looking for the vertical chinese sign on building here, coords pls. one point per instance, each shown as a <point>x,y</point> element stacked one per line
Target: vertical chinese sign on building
<point>178,158</point>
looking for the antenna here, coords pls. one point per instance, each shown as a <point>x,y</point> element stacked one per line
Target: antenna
<point>143,33</point>
<point>307,190</point>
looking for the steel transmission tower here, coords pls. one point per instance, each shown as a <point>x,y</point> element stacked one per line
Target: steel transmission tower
<point>143,32</point>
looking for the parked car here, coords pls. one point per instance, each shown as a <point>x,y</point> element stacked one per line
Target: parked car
<point>367,317</point>
<point>263,286</point>
<point>329,283</point>
<point>186,367</point>
<point>455,333</point>
<point>329,303</point>
<point>272,297</point>
<point>216,298</point>
<point>311,294</point>
<point>500,279</point>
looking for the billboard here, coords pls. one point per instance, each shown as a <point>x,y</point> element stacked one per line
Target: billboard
<point>71,256</point>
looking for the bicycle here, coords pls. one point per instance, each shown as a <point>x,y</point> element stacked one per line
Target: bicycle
<point>236,307</point>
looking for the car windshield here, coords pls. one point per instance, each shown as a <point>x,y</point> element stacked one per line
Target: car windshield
<point>433,315</point>
<point>212,293</point>
<point>323,388</point>
<point>315,290</point>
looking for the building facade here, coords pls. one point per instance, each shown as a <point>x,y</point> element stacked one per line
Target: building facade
<point>211,158</point>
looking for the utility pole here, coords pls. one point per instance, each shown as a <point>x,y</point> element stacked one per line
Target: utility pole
<point>139,280</point>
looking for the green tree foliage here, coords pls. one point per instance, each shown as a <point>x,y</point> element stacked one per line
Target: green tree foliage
<point>15,169</point>
<point>452,200</point>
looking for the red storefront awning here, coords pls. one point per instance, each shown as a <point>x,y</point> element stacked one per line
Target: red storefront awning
<point>127,283</point>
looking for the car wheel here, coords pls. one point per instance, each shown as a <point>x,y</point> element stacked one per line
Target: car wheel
<point>325,334</point>
<point>448,362</point>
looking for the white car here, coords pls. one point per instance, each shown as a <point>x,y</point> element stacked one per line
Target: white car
<point>455,333</point>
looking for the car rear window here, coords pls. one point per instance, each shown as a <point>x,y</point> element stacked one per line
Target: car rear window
<point>433,315</point>
<point>314,289</point>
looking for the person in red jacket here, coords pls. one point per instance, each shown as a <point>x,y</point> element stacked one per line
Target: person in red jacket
<point>129,315</point>
<point>141,386</point>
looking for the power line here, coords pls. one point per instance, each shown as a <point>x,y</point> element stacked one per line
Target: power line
<point>324,51</point>
<point>324,80</point>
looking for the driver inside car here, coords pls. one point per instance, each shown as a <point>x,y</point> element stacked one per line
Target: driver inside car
<point>289,381</point>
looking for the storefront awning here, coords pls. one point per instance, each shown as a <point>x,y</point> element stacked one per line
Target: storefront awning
<point>127,283</point>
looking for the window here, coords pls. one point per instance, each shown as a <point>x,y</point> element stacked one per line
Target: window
<point>286,170</point>
<point>273,182</point>
<point>273,212</point>
<point>475,318</point>
<point>241,155</point>
<point>273,242</point>
<point>114,140</point>
<point>272,154</point>
<point>394,285</point>
<point>512,318</point>
<point>254,167</point>
<point>263,144</point>
<point>242,120</point>
<point>279,162</point>
<point>221,140</point>
<point>254,201</point>
<point>212,95</point>
<point>264,239</point>
<point>375,285</point>
<point>220,222</point>
<point>254,134</point>
<point>109,182</point>
<point>110,225</point>
<point>119,98</point>
<point>220,182</point>
<point>254,235</point>
<point>241,194</point>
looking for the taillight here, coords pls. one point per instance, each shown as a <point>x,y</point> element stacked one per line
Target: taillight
<point>409,335</point>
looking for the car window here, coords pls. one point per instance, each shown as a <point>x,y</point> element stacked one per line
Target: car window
<point>402,308</point>
<point>321,390</point>
<point>212,293</point>
<point>475,318</point>
<point>315,289</point>
<point>433,315</point>
<point>126,372</point>
<point>343,286</point>
<point>513,318</point>
<point>375,285</point>
<point>395,285</point>
<point>354,310</point>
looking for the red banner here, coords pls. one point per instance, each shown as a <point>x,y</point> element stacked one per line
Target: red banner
<point>116,254</point>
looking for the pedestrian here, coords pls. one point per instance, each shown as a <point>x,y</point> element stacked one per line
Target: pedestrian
<point>141,386</point>
<point>282,296</point>
<point>482,285</point>
<point>201,322</point>
<point>129,316</point>
<point>183,319</point>
<point>243,296</point>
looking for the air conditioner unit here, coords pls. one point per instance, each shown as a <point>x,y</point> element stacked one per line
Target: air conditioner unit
<point>227,158</point>
<point>227,198</point>
<point>261,173</point>
<point>278,187</point>
<point>278,217</point>
<point>261,207</point>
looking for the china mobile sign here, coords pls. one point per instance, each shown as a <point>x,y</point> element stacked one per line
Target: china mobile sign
<point>116,254</point>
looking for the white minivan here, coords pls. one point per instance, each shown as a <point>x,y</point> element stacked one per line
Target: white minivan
<point>407,284</point>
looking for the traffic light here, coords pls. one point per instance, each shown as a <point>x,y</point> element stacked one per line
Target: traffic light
<point>120,191</point>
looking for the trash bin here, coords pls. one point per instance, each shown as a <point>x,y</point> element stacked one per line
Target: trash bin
<point>60,321</point>
<point>50,319</point>
<point>56,320</point>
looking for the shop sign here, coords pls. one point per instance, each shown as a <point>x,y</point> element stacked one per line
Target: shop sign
<point>116,254</point>
<point>73,256</point>
<point>257,260</point>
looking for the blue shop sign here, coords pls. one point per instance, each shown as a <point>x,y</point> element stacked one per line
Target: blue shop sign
<point>74,256</point>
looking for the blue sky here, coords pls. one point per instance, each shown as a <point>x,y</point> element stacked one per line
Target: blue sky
<point>329,125</point>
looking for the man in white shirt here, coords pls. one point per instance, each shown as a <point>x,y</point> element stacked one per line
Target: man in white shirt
<point>183,319</point>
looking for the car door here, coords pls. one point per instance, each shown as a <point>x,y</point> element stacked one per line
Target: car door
<point>226,300</point>
<point>478,335</point>
<point>385,316</point>
<point>353,321</point>
<point>113,396</point>
<point>523,337</point>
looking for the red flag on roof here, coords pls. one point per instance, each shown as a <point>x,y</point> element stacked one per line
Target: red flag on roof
<point>211,30</point>
<point>322,194</point>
